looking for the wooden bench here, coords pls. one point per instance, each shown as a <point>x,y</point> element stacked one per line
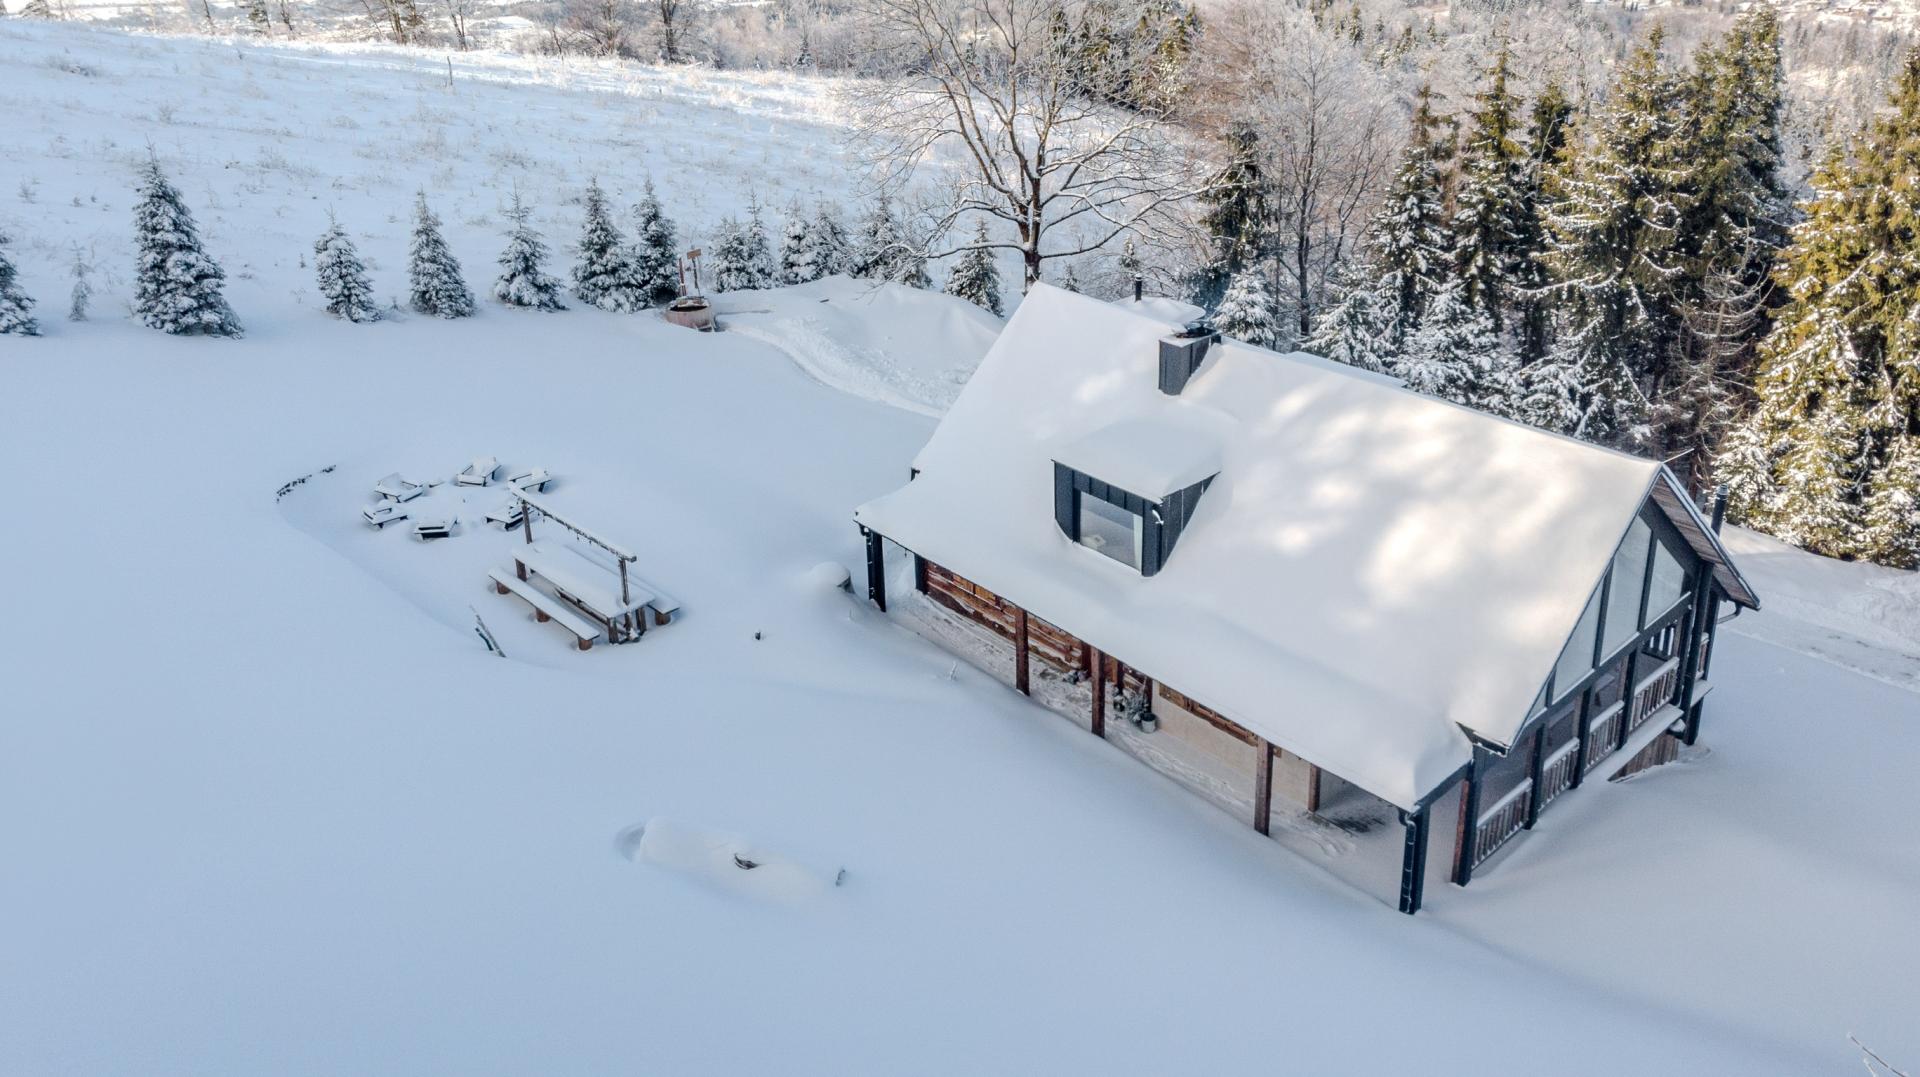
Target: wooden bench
<point>590,586</point>
<point>663,605</point>
<point>545,608</point>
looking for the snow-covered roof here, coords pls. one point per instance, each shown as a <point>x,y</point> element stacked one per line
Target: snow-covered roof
<point>1151,455</point>
<point>1371,571</point>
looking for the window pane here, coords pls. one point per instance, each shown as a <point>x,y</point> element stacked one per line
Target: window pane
<point>1577,659</point>
<point>1669,581</point>
<point>1110,529</point>
<point>1629,573</point>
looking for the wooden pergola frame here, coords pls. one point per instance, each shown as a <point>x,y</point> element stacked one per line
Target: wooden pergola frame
<point>529,504</point>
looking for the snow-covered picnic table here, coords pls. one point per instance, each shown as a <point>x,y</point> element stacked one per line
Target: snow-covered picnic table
<point>594,587</point>
<point>398,487</point>
<point>478,473</point>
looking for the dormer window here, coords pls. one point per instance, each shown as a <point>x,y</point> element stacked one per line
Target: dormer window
<point>1112,529</point>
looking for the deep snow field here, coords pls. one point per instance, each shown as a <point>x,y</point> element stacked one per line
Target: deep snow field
<point>269,806</point>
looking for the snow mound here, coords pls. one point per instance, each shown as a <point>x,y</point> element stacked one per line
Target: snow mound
<point>901,346</point>
<point>727,861</point>
<point>826,578</point>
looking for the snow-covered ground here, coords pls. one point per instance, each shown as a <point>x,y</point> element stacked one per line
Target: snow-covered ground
<point>268,805</point>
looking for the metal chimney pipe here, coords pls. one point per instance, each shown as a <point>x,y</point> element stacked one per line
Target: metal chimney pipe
<point>1139,286</point>
<point>1719,506</point>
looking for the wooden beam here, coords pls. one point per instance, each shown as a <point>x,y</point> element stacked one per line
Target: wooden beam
<point>1313,787</point>
<point>1460,833</point>
<point>1096,663</point>
<point>1413,860</point>
<point>1469,825</point>
<point>1020,650</point>
<point>1263,788</point>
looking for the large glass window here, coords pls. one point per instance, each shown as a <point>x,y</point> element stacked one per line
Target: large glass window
<point>1629,574</point>
<point>1669,581</point>
<point>1110,529</point>
<point>1577,659</point>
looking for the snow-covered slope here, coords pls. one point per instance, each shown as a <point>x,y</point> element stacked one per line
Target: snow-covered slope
<point>269,806</point>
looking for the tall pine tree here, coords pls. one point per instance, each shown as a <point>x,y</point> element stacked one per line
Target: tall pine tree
<point>177,285</point>
<point>1409,245</point>
<point>1489,223</point>
<point>1238,215</point>
<point>1826,460</point>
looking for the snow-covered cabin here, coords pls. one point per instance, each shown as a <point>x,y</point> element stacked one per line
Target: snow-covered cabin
<point>1304,590</point>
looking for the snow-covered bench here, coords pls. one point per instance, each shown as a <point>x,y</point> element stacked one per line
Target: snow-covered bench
<point>590,586</point>
<point>663,605</point>
<point>382,513</point>
<point>478,473</point>
<point>433,527</point>
<point>509,515</point>
<point>545,608</point>
<point>397,487</point>
<point>535,478</point>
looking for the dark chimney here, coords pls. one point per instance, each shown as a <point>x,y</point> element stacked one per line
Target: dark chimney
<point>1181,355</point>
<point>1139,286</point>
<point>1719,507</point>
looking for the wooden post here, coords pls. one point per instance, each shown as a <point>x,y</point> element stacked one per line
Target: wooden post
<point>1413,860</point>
<point>1583,714</point>
<point>1313,787</point>
<point>920,574</point>
<point>1020,650</point>
<point>1534,774</point>
<point>1098,681</point>
<point>876,569</point>
<point>624,599</point>
<point>526,520</point>
<point>1263,788</point>
<point>1469,825</point>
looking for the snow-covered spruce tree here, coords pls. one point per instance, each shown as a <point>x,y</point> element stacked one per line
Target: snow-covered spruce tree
<point>523,280</point>
<point>36,9</point>
<point>1238,218</point>
<point>879,244</point>
<point>434,282</point>
<point>1409,248</point>
<point>832,248</point>
<point>727,260</point>
<point>1246,311</point>
<point>656,252</point>
<point>1825,458</point>
<point>258,21</point>
<point>80,300</point>
<point>1495,184</point>
<point>1354,330</point>
<point>16,308</point>
<point>1613,212</point>
<point>1548,122</point>
<point>760,266</point>
<point>1891,524</point>
<point>974,277</point>
<point>796,248</point>
<point>342,276</point>
<point>606,275</point>
<point>1456,355</point>
<point>177,286</point>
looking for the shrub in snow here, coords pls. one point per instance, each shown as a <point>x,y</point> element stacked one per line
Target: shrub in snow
<point>523,280</point>
<point>82,296</point>
<point>797,264</point>
<point>975,278</point>
<point>433,273</point>
<point>656,257</point>
<point>16,309</point>
<point>342,276</point>
<point>177,286</point>
<point>606,276</point>
<point>257,19</point>
<point>1246,311</point>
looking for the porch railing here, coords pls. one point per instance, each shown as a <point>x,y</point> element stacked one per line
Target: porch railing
<point>1556,772</point>
<point>1654,691</point>
<point>1501,821</point>
<point>1603,734</point>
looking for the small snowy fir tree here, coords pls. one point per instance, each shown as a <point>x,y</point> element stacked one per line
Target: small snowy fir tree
<point>758,250</point>
<point>1891,534</point>
<point>342,276</point>
<point>1456,355</point>
<point>16,309</point>
<point>974,277</point>
<point>36,9</point>
<point>796,248</point>
<point>1246,311</point>
<point>727,261</point>
<point>884,252</point>
<point>523,280</point>
<point>433,273</point>
<point>1070,278</point>
<point>656,256</point>
<point>1354,331</point>
<point>606,276</point>
<point>832,250</point>
<point>81,299</point>
<point>257,19</point>
<point>177,286</point>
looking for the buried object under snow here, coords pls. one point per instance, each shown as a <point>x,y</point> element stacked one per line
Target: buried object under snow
<point>724,860</point>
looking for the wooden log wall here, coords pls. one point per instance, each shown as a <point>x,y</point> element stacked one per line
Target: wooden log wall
<point>1050,644</point>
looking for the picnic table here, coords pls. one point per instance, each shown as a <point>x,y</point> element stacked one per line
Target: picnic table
<point>589,586</point>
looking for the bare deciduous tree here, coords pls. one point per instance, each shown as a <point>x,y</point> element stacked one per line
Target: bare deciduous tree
<point>1007,88</point>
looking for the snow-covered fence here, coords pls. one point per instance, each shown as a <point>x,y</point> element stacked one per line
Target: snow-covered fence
<point>289,487</point>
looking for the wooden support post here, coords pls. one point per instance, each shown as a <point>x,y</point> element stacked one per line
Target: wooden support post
<point>1020,650</point>
<point>1534,774</point>
<point>920,574</point>
<point>1313,787</point>
<point>876,569</point>
<point>526,520</point>
<point>624,597</point>
<point>1413,860</point>
<point>1098,682</point>
<point>1583,714</point>
<point>1469,825</point>
<point>1690,659</point>
<point>1630,693</point>
<point>1263,788</point>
